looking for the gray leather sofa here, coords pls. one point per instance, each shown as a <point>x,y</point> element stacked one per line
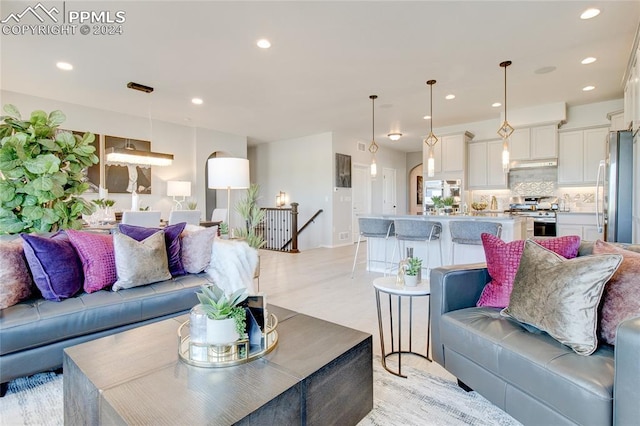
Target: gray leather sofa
<point>34,332</point>
<point>531,376</point>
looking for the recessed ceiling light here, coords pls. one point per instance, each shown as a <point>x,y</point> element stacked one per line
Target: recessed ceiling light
<point>545,70</point>
<point>64,66</point>
<point>196,101</point>
<point>496,104</point>
<point>588,88</point>
<point>426,117</point>
<point>590,13</point>
<point>588,60</point>
<point>263,43</point>
<point>394,136</point>
<point>449,97</point>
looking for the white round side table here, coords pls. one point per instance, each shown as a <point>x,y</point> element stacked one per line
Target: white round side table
<point>388,285</point>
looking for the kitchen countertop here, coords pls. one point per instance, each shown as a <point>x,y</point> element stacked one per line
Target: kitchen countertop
<point>470,216</point>
<point>578,212</point>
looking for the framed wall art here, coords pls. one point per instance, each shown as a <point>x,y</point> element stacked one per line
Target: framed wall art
<point>125,178</point>
<point>343,171</point>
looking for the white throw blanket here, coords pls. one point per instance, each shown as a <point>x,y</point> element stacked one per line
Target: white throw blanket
<point>233,265</point>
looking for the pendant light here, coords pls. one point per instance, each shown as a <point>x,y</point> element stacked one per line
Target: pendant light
<point>505,129</point>
<point>373,147</point>
<point>431,140</point>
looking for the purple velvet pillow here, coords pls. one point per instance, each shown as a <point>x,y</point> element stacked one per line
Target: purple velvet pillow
<point>55,265</point>
<point>97,256</point>
<point>171,239</point>
<point>621,297</point>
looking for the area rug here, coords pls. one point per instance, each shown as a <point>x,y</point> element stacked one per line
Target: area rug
<point>420,399</point>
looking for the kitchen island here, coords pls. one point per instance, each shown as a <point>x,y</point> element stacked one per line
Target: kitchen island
<point>513,228</point>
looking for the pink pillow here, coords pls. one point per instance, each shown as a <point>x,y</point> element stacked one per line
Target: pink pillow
<point>503,260</point>
<point>621,297</point>
<point>97,256</point>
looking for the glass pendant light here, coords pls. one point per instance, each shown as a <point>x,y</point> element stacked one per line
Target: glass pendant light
<point>505,129</point>
<point>431,140</point>
<point>373,147</point>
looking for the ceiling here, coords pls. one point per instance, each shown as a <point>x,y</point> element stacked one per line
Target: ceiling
<point>326,59</point>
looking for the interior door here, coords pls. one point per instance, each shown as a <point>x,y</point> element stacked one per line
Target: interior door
<point>389,200</point>
<point>360,195</point>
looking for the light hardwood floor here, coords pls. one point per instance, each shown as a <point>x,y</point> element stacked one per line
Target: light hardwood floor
<point>318,283</point>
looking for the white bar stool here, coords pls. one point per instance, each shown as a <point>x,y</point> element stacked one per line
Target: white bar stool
<point>373,228</point>
<point>469,232</point>
<point>418,231</point>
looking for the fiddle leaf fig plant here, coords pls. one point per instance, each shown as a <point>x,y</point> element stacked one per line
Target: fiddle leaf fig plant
<point>41,173</point>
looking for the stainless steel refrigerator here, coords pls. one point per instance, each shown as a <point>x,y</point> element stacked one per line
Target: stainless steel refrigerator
<point>614,189</point>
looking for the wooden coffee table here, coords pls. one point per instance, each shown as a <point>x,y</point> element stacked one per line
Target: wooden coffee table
<point>319,373</point>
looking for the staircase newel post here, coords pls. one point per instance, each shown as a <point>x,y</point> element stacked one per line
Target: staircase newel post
<point>294,228</point>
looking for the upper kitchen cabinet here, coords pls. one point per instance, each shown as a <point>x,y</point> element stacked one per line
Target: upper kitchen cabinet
<point>449,155</point>
<point>484,165</point>
<point>617,121</point>
<point>534,143</point>
<point>580,152</point>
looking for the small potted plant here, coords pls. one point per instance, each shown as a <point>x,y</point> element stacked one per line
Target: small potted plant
<point>226,320</point>
<point>438,204</point>
<point>192,205</point>
<point>448,204</point>
<point>414,265</point>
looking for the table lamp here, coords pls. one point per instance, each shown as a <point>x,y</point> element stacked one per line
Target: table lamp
<point>178,188</point>
<point>228,173</point>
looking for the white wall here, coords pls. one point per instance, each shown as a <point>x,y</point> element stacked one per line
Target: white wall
<point>303,168</point>
<point>207,142</point>
<point>190,147</point>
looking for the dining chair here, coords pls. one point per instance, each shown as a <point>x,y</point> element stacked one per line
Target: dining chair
<point>190,216</point>
<point>141,218</point>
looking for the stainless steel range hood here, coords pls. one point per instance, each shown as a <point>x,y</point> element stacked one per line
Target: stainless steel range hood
<point>533,164</point>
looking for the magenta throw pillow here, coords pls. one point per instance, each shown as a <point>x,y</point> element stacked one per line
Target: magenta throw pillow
<point>55,265</point>
<point>621,298</point>
<point>171,240</point>
<point>97,256</point>
<point>503,260</point>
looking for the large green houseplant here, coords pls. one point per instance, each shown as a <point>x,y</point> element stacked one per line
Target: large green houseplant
<point>41,173</point>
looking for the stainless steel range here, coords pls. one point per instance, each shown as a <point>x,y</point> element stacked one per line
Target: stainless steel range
<point>540,213</point>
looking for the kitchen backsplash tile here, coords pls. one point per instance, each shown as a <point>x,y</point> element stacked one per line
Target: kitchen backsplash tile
<point>538,181</point>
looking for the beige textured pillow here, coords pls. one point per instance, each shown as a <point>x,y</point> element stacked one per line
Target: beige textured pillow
<point>15,279</point>
<point>196,247</point>
<point>561,296</point>
<point>140,262</point>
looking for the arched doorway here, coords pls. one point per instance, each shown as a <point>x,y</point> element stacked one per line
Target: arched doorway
<point>211,194</point>
<point>416,190</point>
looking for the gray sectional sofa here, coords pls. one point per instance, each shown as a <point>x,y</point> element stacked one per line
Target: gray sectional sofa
<point>531,376</point>
<point>34,332</point>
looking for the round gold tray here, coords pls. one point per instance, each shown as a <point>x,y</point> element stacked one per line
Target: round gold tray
<point>239,352</point>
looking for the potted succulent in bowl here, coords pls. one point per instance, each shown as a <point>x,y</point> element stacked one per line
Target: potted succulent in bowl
<point>414,265</point>
<point>226,320</point>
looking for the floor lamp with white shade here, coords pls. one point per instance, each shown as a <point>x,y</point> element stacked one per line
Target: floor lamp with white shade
<point>228,173</point>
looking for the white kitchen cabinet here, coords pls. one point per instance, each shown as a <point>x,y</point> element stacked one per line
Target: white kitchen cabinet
<point>534,143</point>
<point>581,224</point>
<point>544,142</point>
<point>477,169</point>
<point>449,155</point>
<point>484,165</point>
<point>579,153</point>
<point>617,121</point>
<point>520,145</point>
